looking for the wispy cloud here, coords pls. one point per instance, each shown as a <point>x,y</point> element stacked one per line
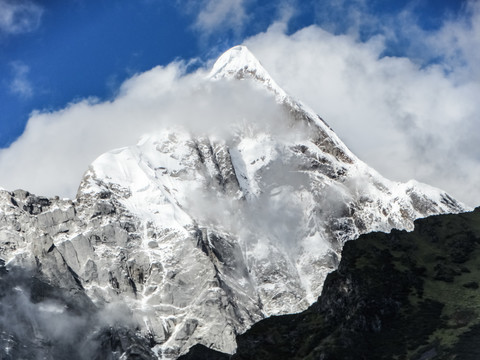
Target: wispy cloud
<point>217,15</point>
<point>20,84</point>
<point>449,40</point>
<point>459,42</point>
<point>19,16</point>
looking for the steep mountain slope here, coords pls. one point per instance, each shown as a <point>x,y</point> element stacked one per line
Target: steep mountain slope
<point>394,296</point>
<point>202,236</point>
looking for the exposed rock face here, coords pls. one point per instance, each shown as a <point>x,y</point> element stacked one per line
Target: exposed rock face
<point>202,237</point>
<point>45,312</point>
<point>394,296</point>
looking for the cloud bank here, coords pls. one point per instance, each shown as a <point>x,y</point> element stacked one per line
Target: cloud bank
<point>407,120</point>
<point>405,117</point>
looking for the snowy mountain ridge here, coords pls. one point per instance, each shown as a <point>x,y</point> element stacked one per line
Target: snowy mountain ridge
<point>203,236</point>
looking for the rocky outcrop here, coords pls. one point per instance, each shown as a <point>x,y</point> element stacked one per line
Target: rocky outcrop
<point>398,295</point>
<point>45,313</point>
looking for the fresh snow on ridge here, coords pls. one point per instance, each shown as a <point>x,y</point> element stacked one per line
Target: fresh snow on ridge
<point>202,236</point>
<point>237,63</point>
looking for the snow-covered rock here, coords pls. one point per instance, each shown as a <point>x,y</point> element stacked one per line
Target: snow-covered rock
<point>203,236</point>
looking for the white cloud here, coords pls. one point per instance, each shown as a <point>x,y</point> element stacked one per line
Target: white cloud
<point>18,16</point>
<point>20,83</point>
<point>217,15</point>
<point>404,120</point>
<point>459,42</point>
<point>57,147</point>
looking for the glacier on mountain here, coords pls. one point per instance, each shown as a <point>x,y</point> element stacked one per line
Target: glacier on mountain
<point>203,235</point>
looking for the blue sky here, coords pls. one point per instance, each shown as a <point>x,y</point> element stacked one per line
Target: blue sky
<point>398,81</point>
<point>55,52</point>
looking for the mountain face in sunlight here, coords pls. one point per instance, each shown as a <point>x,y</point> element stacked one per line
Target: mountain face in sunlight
<point>189,238</point>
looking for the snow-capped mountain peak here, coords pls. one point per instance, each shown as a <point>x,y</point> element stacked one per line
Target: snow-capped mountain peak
<point>202,237</point>
<point>239,63</point>
<point>236,60</point>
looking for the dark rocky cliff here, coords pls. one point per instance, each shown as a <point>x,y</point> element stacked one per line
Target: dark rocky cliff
<point>394,296</point>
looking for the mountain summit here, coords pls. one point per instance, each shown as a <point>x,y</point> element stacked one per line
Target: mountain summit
<point>239,63</point>
<point>199,237</point>
<point>236,61</point>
